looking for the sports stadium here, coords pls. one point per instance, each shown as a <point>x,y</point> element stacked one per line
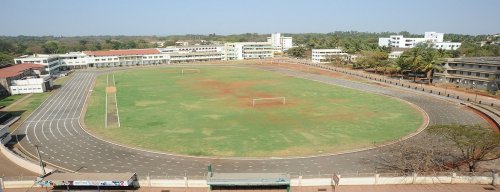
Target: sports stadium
<point>240,118</point>
<point>266,117</point>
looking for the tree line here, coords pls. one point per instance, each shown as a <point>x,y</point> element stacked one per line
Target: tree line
<point>352,42</point>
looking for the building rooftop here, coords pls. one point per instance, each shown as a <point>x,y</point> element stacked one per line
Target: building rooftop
<point>15,70</point>
<point>123,52</point>
<point>485,60</point>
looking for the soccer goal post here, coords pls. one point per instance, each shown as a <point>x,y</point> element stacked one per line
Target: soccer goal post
<point>256,100</point>
<point>190,71</point>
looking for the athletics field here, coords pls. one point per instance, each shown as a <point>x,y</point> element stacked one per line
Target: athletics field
<point>218,112</point>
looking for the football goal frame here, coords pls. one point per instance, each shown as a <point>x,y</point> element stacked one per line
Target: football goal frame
<point>186,70</point>
<point>255,100</point>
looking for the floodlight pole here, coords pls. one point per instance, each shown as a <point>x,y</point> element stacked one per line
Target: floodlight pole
<point>40,160</point>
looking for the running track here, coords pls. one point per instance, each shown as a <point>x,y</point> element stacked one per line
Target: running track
<point>56,126</point>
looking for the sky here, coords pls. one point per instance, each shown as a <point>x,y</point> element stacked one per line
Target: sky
<point>178,17</point>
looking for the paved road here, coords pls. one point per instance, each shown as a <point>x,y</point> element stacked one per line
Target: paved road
<point>55,125</point>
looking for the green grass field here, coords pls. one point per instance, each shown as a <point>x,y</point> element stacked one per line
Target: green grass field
<point>211,114</point>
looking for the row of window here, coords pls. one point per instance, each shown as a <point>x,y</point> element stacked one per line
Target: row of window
<point>472,66</point>
<point>486,75</point>
<point>25,89</point>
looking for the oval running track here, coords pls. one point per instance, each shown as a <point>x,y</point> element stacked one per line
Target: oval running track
<point>56,126</point>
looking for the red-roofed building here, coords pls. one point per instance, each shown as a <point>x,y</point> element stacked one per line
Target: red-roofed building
<point>16,75</point>
<point>129,57</point>
<point>126,52</point>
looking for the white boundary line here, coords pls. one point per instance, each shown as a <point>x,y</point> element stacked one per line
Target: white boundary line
<point>23,150</point>
<point>116,102</point>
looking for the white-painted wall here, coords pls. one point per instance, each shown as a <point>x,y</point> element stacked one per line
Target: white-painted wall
<point>434,38</point>
<point>320,55</point>
<point>281,43</point>
<point>24,86</point>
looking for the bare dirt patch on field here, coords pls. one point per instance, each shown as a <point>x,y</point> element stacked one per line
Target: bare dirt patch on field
<point>242,91</point>
<point>111,89</point>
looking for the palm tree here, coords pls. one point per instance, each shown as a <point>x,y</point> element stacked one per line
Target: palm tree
<point>422,58</point>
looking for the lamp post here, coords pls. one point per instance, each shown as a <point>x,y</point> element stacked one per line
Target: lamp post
<point>474,86</point>
<point>40,159</point>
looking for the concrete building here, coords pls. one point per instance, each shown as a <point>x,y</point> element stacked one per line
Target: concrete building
<point>328,55</point>
<point>195,57</point>
<point>51,62</point>
<point>436,39</point>
<point>55,63</point>
<point>73,60</point>
<point>24,78</point>
<point>30,85</point>
<point>249,50</point>
<point>130,57</point>
<point>476,72</point>
<point>281,43</point>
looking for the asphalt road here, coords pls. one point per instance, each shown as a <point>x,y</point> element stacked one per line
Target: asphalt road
<point>56,126</point>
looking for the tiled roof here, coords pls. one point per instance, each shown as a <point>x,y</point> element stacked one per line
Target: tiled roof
<point>15,70</point>
<point>123,52</point>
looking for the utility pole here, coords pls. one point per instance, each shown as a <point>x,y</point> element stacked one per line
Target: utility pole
<point>40,160</point>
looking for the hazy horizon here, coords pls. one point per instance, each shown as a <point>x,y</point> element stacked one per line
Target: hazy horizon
<point>225,17</point>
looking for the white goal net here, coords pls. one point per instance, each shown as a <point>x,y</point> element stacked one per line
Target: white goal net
<point>256,101</point>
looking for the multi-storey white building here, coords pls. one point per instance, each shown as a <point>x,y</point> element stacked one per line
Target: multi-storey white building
<point>130,57</point>
<point>281,43</point>
<point>116,58</point>
<point>249,50</point>
<point>24,78</point>
<point>51,62</point>
<point>195,57</point>
<point>327,55</point>
<point>436,39</point>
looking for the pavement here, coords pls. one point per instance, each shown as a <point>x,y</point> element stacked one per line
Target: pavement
<point>352,188</point>
<point>12,170</point>
<point>57,127</point>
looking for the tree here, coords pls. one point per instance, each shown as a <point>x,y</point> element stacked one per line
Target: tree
<point>6,59</point>
<point>299,52</point>
<point>50,47</point>
<point>425,154</point>
<point>474,143</point>
<point>422,58</point>
<point>372,59</point>
<point>6,47</point>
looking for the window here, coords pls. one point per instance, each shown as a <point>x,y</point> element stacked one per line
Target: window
<point>478,74</point>
<point>486,75</point>
<point>469,73</point>
<point>479,66</point>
